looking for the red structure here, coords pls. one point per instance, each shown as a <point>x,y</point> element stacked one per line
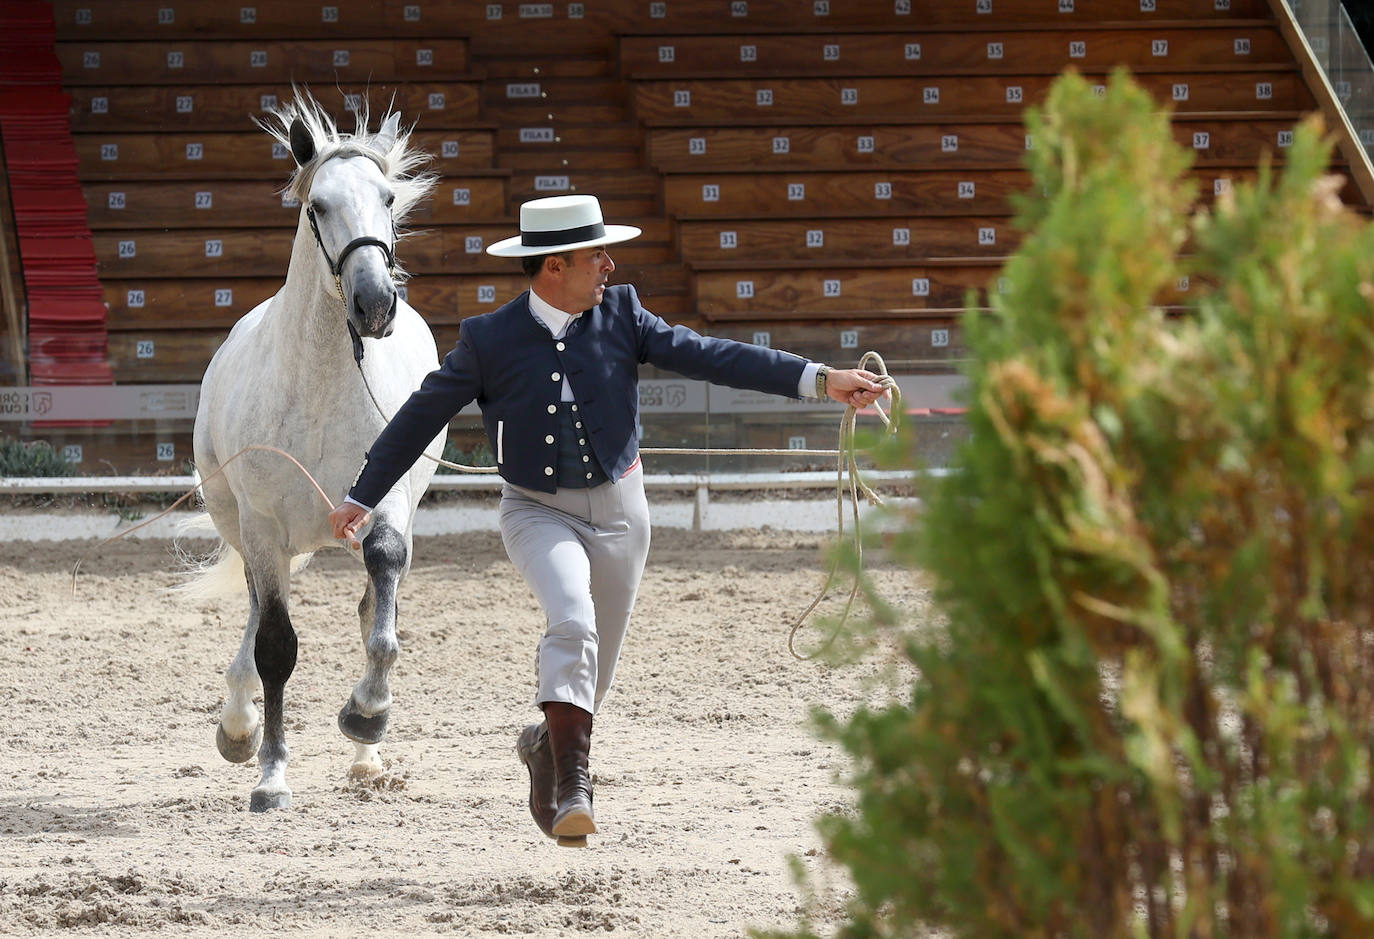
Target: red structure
<point>67,338</point>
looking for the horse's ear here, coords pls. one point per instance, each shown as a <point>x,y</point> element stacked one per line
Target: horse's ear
<point>302,144</point>
<point>390,130</point>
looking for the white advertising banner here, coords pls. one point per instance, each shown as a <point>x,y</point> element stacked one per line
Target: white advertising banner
<point>99,403</point>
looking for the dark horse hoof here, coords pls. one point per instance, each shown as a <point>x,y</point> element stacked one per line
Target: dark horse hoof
<point>354,725</point>
<point>238,751</point>
<point>265,800</point>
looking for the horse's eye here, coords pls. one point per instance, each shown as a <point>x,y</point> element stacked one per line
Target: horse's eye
<point>390,199</point>
<point>317,208</point>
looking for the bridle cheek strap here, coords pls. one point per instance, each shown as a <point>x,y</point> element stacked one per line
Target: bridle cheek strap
<point>336,267</point>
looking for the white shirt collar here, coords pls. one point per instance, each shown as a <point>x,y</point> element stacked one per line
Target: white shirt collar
<point>555,319</point>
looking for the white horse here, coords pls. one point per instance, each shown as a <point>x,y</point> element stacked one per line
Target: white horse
<point>287,377</point>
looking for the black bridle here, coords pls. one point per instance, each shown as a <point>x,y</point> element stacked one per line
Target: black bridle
<point>336,267</point>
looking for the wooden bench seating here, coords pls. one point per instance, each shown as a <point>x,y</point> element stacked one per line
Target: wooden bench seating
<point>211,19</point>
<point>726,16</point>
<point>826,195</point>
<point>209,302</point>
<point>1015,52</point>
<point>820,101</point>
<point>447,105</point>
<point>265,252</point>
<point>133,204</point>
<point>851,294</point>
<point>494,28</point>
<point>968,145</point>
<point>547,25</point>
<point>559,145</point>
<point>520,100</point>
<point>179,323</point>
<point>623,193</point>
<point>248,154</point>
<point>747,242</point>
<point>839,293</point>
<point>180,62</point>
<point>877,194</point>
<point>162,355</point>
<point>933,344</point>
<point>558,135</point>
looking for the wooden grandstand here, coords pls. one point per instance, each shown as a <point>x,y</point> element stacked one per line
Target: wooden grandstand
<point>821,176</point>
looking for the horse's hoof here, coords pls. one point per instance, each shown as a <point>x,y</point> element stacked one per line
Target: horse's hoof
<point>265,800</point>
<point>365,772</point>
<point>360,728</point>
<point>241,750</point>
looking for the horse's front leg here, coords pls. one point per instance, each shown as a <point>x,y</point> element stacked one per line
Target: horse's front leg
<point>363,719</point>
<point>274,654</point>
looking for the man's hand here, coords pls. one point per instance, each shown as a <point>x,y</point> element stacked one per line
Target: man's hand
<point>346,520</point>
<point>853,386</point>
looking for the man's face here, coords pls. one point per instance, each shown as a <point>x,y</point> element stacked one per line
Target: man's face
<point>584,279</point>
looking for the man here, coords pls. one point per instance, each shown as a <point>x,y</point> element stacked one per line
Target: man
<point>555,372</point>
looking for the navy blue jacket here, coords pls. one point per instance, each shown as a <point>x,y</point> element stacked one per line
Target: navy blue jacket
<point>508,362</point>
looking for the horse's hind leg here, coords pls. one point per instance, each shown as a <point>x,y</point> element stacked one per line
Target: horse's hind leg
<point>364,718</point>
<point>240,729</point>
<point>274,654</point>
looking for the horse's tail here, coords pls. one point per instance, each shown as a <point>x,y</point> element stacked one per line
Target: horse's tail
<point>212,576</point>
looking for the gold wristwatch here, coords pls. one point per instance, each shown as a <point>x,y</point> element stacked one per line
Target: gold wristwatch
<point>820,380</point>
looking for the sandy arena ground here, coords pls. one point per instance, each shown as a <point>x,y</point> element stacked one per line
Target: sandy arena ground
<point>117,814</point>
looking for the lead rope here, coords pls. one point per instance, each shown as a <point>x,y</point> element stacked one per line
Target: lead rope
<point>846,458</point>
<point>192,491</point>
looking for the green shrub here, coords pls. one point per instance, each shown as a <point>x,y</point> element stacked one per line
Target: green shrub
<point>31,458</point>
<point>1149,709</point>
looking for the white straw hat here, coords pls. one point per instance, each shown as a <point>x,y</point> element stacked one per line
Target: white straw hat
<point>560,223</point>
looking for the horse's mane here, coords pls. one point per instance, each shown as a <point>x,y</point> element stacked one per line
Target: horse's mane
<point>398,162</point>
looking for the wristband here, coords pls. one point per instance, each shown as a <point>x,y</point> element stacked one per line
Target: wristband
<point>820,380</point>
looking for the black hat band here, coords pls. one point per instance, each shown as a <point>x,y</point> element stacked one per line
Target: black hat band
<point>565,236</point>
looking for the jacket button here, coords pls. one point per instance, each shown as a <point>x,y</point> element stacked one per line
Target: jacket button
<point>553,409</point>
<point>574,407</point>
<point>581,442</point>
<point>548,471</point>
<point>586,459</point>
<point>579,424</point>
<point>548,438</point>
<point>560,347</point>
<point>555,376</point>
<point>589,475</point>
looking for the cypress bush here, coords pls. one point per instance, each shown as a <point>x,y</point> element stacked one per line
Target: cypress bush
<point>1148,709</point>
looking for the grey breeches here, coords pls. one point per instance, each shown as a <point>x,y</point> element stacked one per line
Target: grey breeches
<point>582,552</point>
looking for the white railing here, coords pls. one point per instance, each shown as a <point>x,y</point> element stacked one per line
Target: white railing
<point>1337,48</point>
<point>698,485</point>
<point>1337,68</point>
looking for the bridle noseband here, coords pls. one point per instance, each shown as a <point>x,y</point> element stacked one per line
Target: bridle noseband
<point>336,267</point>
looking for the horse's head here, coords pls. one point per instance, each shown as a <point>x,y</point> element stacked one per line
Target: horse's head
<point>350,207</point>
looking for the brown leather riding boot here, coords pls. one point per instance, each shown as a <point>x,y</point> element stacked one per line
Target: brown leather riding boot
<point>570,736</point>
<point>534,751</point>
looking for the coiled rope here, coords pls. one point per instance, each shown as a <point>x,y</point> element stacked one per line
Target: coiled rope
<point>847,459</point>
